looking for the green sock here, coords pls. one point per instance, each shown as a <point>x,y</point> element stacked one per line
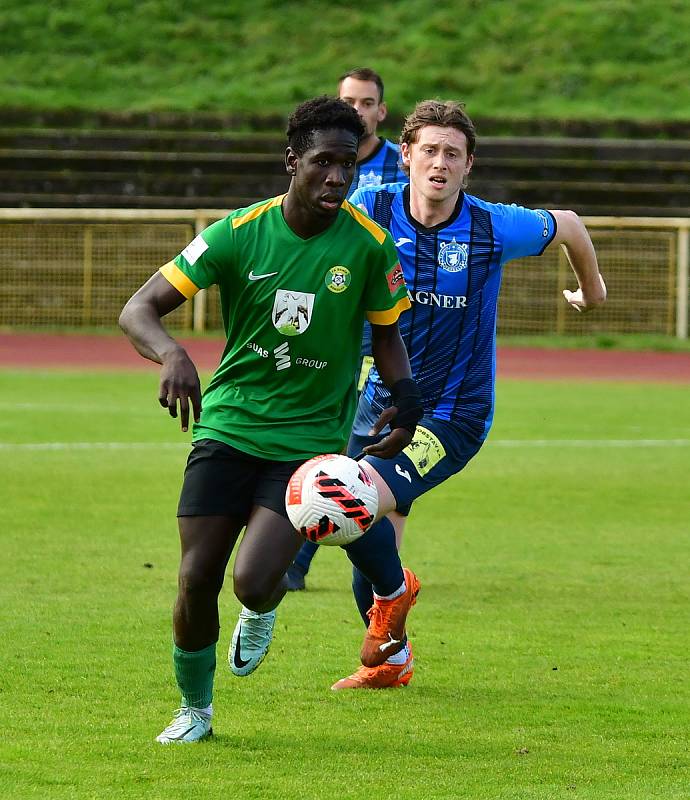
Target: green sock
<point>194,673</point>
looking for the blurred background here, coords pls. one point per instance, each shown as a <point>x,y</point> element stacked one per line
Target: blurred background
<point>126,128</point>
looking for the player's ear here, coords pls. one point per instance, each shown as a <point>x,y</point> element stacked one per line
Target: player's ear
<point>470,162</point>
<point>291,159</point>
<point>405,153</point>
<point>382,112</point>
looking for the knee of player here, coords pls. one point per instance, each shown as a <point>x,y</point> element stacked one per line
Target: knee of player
<point>196,580</point>
<point>252,591</point>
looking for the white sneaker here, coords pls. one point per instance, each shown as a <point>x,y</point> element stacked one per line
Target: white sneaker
<point>188,725</point>
<point>250,641</point>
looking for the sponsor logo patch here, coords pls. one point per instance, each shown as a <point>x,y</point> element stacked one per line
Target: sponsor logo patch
<point>312,363</point>
<point>257,349</point>
<point>545,222</point>
<point>253,277</point>
<point>292,311</point>
<point>424,451</point>
<point>337,279</point>
<point>194,250</point>
<point>395,279</point>
<point>440,300</point>
<point>282,355</point>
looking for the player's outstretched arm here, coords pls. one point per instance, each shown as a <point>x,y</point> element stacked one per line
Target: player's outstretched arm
<point>393,366</point>
<point>573,235</point>
<point>140,319</point>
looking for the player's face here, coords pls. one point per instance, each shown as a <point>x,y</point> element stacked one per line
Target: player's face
<point>438,162</point>
<point>322,176</point>
<point>363,96</point>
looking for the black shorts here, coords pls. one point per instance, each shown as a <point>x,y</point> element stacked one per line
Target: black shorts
<point>221,480</point>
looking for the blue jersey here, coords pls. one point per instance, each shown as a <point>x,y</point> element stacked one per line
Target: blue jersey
<point>453,273</point>
<point>382,166</point>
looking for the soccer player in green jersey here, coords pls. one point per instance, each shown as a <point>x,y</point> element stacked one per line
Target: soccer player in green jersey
<point>297,275</point>
<point>378,161</point>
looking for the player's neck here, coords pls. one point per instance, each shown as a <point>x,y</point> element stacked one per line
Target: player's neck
<point>303,222</point>
<point>367,146</point>
<point>429,213</point>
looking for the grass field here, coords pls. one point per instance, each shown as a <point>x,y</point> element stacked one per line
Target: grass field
<point>551,635</point>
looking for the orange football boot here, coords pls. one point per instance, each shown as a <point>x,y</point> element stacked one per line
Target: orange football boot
<point>386,633</point>
<point>387,676</point>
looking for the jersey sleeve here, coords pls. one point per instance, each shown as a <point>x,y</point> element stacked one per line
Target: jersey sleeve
<point>386,293</point>
<point>526,232</point>
<point>200,264</point>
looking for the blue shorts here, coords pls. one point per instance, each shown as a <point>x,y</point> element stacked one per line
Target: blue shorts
<point>438,450</point>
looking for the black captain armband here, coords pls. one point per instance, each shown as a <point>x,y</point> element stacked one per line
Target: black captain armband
<point>408,400</point>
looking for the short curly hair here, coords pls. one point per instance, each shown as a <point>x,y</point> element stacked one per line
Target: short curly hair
<point>321,114</point>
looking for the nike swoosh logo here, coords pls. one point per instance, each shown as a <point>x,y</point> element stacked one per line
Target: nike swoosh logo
<point>237,657</point>
<point>403,473</point>
<point>403,241</point>
<point>386,645</point>
<point>253,277</point>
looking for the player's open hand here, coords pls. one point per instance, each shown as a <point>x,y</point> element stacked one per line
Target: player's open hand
<point>584,300</point>
<point>179,383</point>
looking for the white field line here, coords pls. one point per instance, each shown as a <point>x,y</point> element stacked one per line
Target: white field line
<point>514,443</point>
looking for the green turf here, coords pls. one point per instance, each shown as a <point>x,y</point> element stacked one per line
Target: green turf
<point>551,635</point>
<point>616,341</point>
<point>590,59</point>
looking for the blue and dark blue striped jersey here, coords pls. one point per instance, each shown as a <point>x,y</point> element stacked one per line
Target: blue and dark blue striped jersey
<point>382,166</point>
<point>453,273</point>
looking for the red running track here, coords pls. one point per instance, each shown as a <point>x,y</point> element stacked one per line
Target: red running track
<point>108,352</point>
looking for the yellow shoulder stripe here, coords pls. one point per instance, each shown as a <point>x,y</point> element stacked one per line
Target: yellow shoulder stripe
<point>375,230</point>
<point>257,212</point>
<point>391,315</point>
<point>179,280</point>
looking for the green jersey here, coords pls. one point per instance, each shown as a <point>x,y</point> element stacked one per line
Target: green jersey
<point>293,311</point>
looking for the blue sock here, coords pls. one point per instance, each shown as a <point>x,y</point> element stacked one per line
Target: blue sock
<point>376,557</point>
<point>304,558</point>
<point>364,594</point>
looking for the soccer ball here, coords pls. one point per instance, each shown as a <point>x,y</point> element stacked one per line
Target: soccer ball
<point>331,500</point>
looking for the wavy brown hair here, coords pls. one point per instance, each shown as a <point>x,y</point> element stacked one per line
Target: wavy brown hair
<point>446,114</point>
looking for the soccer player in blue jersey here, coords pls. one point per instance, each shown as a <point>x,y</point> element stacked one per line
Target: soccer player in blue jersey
<point>378,162</point>
<point>452,248</point>
<point>378,159</point>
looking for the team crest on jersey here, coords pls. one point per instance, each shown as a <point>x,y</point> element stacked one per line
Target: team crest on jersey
<point>453,256</point>
<point>337,279</point>
<point>292,311</point>
<point>367,179</point>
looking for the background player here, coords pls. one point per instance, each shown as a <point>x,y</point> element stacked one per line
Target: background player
<point>452,248</point>
<point>266,410</point>
<point>378,161</point>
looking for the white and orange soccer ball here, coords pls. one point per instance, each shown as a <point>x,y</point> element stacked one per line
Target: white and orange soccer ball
<point>331,500</point>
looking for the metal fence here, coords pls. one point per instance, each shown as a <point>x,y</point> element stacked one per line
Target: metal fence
<point>77,267</point>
